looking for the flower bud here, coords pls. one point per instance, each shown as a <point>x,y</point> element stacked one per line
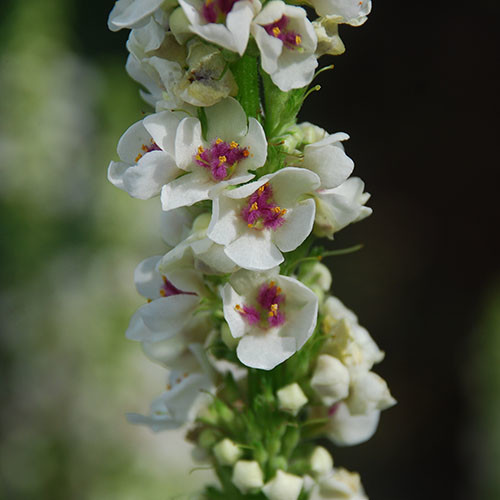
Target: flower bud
<point>207,438</point>
<point>179,25</point>
<point>291,398</point>
<point>283,486</point>
<point>321,461</point>
<point>201,222</point>
<point>369,392</point>
<point>330,379</point>
<point>247,476</point>
<point>226,452</point>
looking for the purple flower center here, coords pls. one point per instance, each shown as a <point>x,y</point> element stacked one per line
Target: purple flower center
<point>291,39</point>
<point>146,148</point>
<point>261,212</point>
<point>168,289</point>
<point>266,314</point>
<point>215,11</point>
<point>220,158</point>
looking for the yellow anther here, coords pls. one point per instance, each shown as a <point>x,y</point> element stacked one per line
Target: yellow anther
<point>138,157</point>
<point>200,149</point>
<point>277,210</point>
<point>218,140</point>
<point>254,206</point>
<point>237,307</point>
<point>298,40</point>
<point>222,159</point>
<point>233,145</point>
<point>185,374</point>
<point>178,380</point>
<point>163,293</point>
<point>150,300</point>
<point>278,290</point>
<point>245,153</point>
<point>250,225</point>
<point>198,157</point>
<point>169,387</point>
<point>261,189</point>
<point>272,283</point>
<point>274,310</point>
<point>276,31</point>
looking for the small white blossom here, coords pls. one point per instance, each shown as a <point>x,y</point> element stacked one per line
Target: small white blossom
<point>146,154</point>
<point>173,298</point>
<point>321,461</point>
<point>233,146</point>
<point>345,429</point>
<point>131,13</point>
<point>291,398</point>
<point>340,484</point>
<point>226,452</point>
<point>338,207</point>
<point>330,379</point>
<point>287,44</point>
<point>272,315</point>
<point>225,23</point>
<point>327,31</point>
<point>348,341</point>
<point>369,392</point>
<point>247,476</point>
<point>283,486</point>
<point>353,12</point>
<point>258,221</point>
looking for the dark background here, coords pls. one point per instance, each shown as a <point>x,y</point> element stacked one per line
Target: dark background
<point>417,92</point>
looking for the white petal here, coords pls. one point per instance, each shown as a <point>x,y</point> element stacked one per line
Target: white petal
<point>131,142</point>
<point>234,319</point>
<point>130,13</point>
<point>154,170</point>
<point>226,120</point>
<point>238,23</point>
<point>187,140</point>
<point>345,429</point>
<point>256,142</point>
<point>290,183</point>
<point>295,70</point>
<point>147,279</point>
<point>297,226</point>
<point>165,317</point>
<point>185,191</point>
<point>226,223</point>
<point>255,251</point>
<point>175,225</point>
<point>265,350</point>
<point>137,330</point>
<point>116,170</point>
<point>163,127</point>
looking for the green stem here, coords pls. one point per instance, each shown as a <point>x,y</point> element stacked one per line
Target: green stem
<point>247,77</point>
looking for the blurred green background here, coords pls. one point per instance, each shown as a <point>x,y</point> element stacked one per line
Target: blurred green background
<point>413,93</point>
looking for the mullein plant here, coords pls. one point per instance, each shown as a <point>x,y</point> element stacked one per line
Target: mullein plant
<point>260,359</point>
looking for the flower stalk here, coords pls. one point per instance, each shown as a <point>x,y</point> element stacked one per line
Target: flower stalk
<point>260,358</point>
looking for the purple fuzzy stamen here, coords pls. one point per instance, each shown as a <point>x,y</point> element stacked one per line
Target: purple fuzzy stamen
<point>147,148</point>
<point>168,289</point>
<point>261,212</point>
<point>216,11</point>
<point>220,158</point>
<point>291,39</point>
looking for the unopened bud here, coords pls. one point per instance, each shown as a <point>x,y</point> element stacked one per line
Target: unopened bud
<point>330,379</point>
<point>283,486</point>
<point>207,438</point>
<point>226,452</point>
<point>369,392</point>
<point>247,476</point>
<point>291,398</point>
<point>321,461</point>
<point>179,25</point>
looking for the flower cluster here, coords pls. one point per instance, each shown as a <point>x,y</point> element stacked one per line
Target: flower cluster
<point>259,356</point>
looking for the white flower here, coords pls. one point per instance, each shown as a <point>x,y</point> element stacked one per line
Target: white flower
<point>247,476</point>
<point>326,157</point>
<point>226,452</point>
<point>173,298</point>
<point>338,207</point>
<point>184,398</point>
<point>225,23</point>
<point>287,44</point>
<point>272,315</point>
<point>291,398</point>
<point>283,486</point>
<point>258,221</point>
<point>327,31</point>
<point>131,13</point>
<point>348,341</point>
<point>232,147</point>
<point>146,154</point>
<point>369,392</point>
<point>330,379</point>
<point>345,429</point>
<point>353,12</point>
<point>321,461</point>
<point>340,484</point>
